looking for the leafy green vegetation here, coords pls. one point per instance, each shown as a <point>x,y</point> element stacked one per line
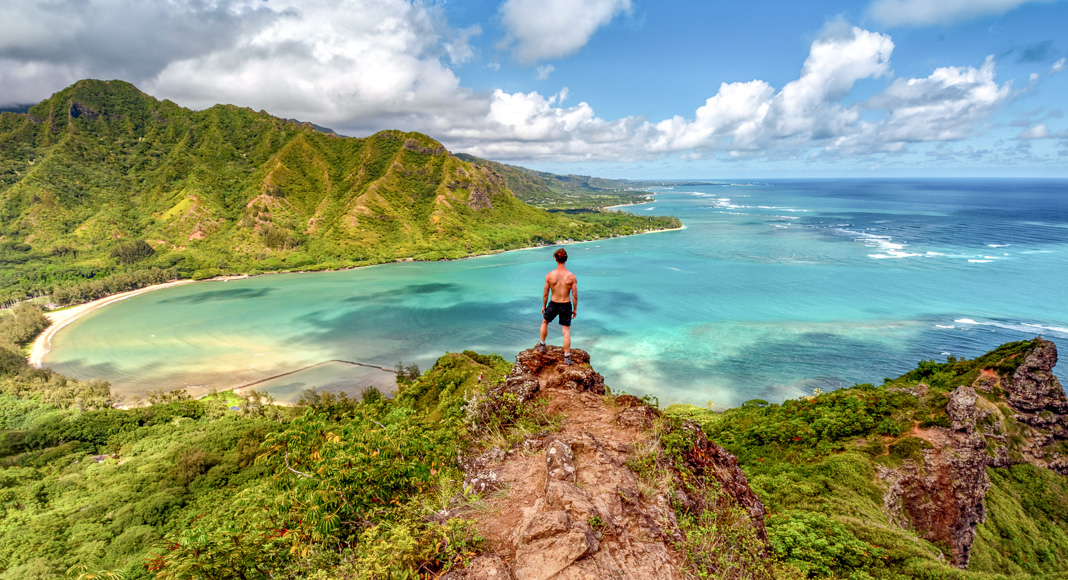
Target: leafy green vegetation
<point>104,188</point>
<point>21,325</point>
<point>335,488</point>
<point>718,540</point>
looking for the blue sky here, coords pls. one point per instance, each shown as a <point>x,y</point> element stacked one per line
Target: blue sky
<point>617,88</point>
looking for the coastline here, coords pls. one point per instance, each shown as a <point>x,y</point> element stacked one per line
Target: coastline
<point>629,204</point>
<point>61,318</point>
<point>570,242</point>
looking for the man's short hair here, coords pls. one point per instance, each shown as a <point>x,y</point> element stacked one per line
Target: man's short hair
<point>560,255</point>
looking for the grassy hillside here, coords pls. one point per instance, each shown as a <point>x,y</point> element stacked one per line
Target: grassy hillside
<point>101,180</point>
<point>209,488</point>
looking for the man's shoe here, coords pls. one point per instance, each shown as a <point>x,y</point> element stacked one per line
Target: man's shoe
<point>567,359</point>
<point>540,348</point>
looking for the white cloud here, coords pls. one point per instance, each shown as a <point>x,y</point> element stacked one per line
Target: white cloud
<point>833,66</point>
<point>1036,132</point>
<point>359,63</point>
<point>806,118</point>
<point>529,116</point>
<point>1041,132</point>
<point>735,112</point>
<point>47,45</point>
<point>1058,66</point>
<point>542,73</point>
<point>928,12</point>
<point>370,58</point>
<point>752,115</point>
<point>947,105</point>
<point>544,29</point>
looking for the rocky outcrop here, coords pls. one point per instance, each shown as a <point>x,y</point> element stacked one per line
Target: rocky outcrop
<point>79,110</point>
<point>548,371</point>
<point>568,505</point>
<point>708,460</point>
<point>480,198</point>
<point>1036,394</point>
<point>941,493</point>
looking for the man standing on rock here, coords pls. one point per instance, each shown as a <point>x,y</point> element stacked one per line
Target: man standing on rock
<point>564,288</point>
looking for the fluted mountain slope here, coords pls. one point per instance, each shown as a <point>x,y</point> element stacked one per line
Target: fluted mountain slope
<point>229,189</point>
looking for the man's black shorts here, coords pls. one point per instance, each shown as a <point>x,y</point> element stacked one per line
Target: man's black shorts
<point>558,308</point>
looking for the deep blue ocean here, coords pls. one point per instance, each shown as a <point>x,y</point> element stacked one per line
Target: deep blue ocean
<point>772,289</point>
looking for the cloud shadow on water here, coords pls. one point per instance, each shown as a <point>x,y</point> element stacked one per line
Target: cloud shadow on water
<point>405,291</point>
<point>220,295</point>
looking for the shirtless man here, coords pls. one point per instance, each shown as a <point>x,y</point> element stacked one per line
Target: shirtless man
<point>564,288</point>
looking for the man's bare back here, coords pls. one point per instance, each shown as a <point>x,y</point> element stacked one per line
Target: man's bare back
<point>561,282</point>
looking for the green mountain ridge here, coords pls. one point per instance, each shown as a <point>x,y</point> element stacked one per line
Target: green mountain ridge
<point>231,190</point>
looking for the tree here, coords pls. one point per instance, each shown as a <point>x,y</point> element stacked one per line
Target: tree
<point>130,251</point>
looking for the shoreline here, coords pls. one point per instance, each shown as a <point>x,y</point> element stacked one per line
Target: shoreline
<point>42,345</point>
<point>570,242</point>
<point>629,204</point>
<point>61,318</point>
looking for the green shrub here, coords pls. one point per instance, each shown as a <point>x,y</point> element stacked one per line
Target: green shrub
<point>820,546</point>
<point>25,322</point>
<point>130,251</point>
<point>908,448</point>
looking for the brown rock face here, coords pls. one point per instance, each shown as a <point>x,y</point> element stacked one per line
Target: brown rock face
<point>569,507</point>
<point>710,460</point>
<point>1039,408</point>
<point>941,495</point>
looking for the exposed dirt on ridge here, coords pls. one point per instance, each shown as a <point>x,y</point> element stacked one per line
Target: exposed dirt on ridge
<point>565,504</point>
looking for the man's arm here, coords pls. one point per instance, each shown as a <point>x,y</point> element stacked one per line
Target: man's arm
<point>545,294</point>
<point>574,297</point>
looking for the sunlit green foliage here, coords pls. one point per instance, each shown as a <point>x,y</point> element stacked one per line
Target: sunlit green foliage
<point>98,490</point>
<point>21,325</point>
<point>128,252</point>
<point>820,546</point>
<point>351,486</point>
<point>196,489</point>
<point>19,381</point>
<point>452,381</point>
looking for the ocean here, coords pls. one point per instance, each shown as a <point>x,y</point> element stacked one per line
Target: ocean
<point>772,289</point>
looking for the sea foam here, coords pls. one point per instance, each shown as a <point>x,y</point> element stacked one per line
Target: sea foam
<point>1026,327</point>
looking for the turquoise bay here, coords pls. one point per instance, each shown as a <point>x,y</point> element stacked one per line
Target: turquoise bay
<point>771,290</point>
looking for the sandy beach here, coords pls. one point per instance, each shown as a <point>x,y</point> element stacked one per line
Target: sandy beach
<point>629,204</point>
<point>61,318</point>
